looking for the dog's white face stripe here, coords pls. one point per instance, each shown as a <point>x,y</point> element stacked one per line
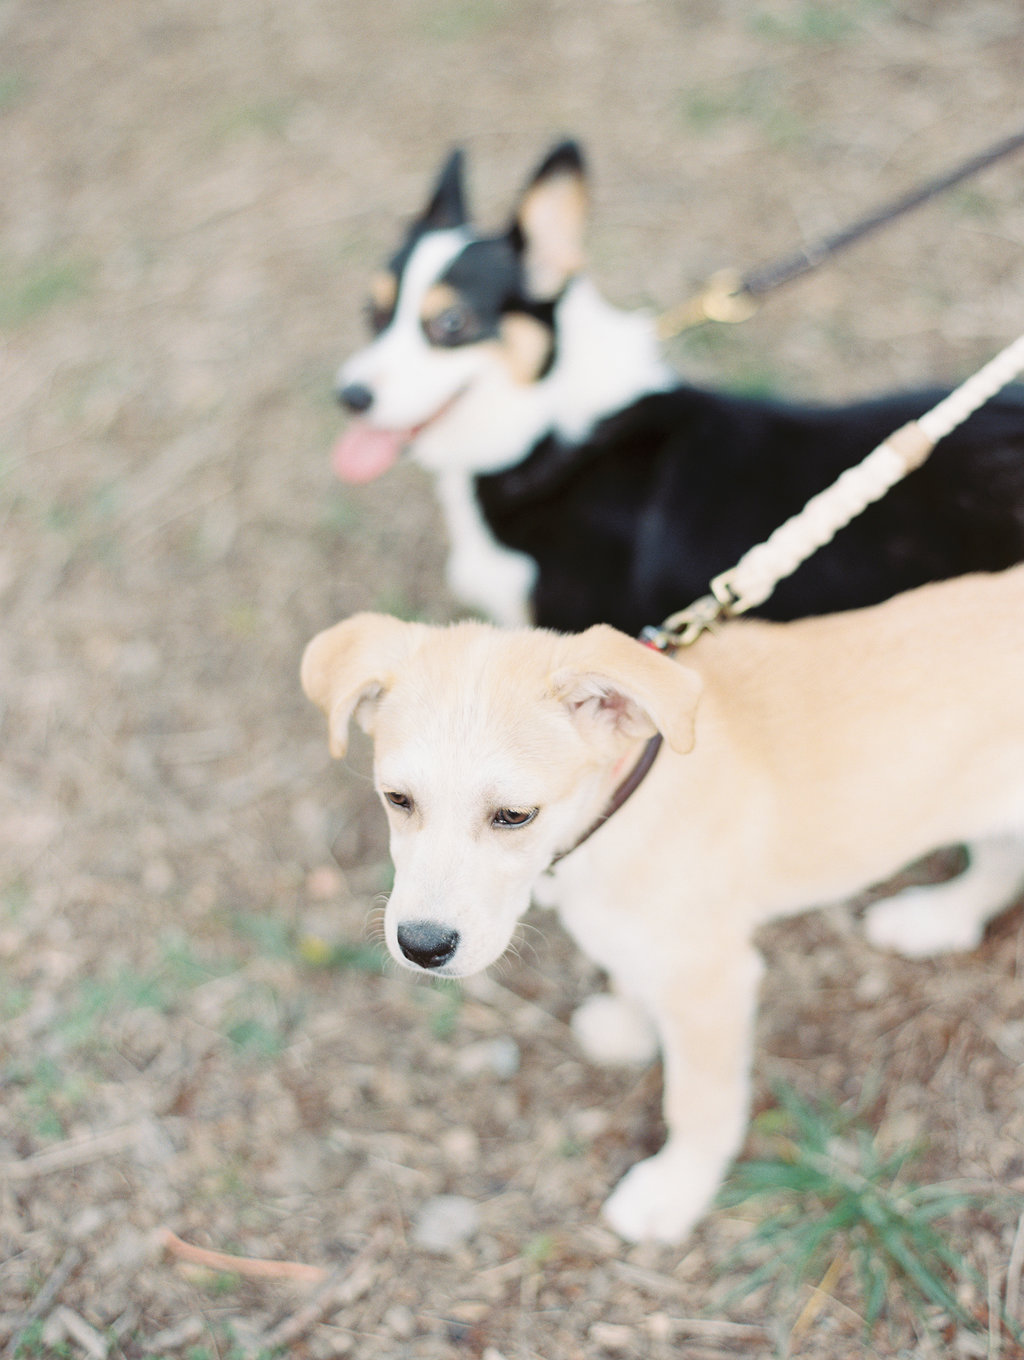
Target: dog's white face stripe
<point>412,380</point>
<point>429,259</point>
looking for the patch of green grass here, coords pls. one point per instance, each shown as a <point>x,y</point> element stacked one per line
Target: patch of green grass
<point>833,1195</point>
<point>264,117</point>
<point>29,291</point>
<point>224,1345</point>
<point>754,97</point>
<point>13,87</point>
<point>31,1343</point>
<point>737,367</point>
<point>229,1352</point>
<point>256,1037</point>
<point>540,1249</point>
<point>181,966</point>
<point>159,988</point>
<point>395,601</point>
<point>85,521</point>
<point>222,1282</point>
<point>341,956</point>
<point>14,898</point>
<point>272,935</point>
<point>444,998</point>
<point>815,21</point>
<point>260,1021</point>
<point>455,19</point>
<point>51,1094</point>
<point>243,620</point>
<point>100,998</point>
<point>276,938</point>
<point>14,999</point>
<point>973,203</point>
<point>812,23</point>
<point>340,514</point>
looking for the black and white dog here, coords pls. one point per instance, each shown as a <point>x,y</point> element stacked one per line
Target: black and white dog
<point>582,481</point>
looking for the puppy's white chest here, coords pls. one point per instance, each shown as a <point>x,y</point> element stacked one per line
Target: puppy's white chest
<point>480,572</point>
<point>604,929</point>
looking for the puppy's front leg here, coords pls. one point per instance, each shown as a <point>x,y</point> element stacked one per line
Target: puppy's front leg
<point>705,1015</point>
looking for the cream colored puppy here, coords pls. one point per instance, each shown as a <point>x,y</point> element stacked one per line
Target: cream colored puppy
<point>801,763</point>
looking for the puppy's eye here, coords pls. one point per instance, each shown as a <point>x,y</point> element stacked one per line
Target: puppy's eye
<point>402,801</point>
<point>456,325</point>
<point>510,817</point>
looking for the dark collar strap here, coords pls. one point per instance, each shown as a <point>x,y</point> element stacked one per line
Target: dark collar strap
<point>629,786</point>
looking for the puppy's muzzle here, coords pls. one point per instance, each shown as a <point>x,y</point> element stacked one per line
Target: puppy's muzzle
<point>355,397</point>
<point>428,944</point>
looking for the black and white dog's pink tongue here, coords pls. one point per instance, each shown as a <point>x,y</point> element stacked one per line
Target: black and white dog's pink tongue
<point>363,452</point>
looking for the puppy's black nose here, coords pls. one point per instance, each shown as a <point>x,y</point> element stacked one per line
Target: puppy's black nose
<point>427,943</point>
<point>355,397</point>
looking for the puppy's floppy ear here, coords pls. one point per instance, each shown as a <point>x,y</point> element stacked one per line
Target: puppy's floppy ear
<point>550,221</point>
<point>614,683</point>
<point>446,207</point>
<point>346,669</point>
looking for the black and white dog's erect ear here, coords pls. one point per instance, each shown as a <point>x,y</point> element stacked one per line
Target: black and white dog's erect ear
<point>550,221</point>
<point>447,207</point>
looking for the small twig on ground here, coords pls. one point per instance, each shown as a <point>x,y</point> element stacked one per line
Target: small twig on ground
<point>343,1287</point>
<point>47,1296</point>
<point>1013,1272</point>
<point>819,1297</point>
<point>710,1328</point>
<point>252,1267</point>
<point>66,1323</point>
<point>995,1321</point>
<point>662,1286</point>
<point>75,1152</point>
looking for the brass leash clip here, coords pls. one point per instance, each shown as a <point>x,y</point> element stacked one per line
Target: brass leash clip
<point>686,625</point>
<point>723,298</point>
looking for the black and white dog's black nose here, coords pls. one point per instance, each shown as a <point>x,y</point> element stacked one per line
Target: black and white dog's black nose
<point>427,943</point>
<point>355,397</point>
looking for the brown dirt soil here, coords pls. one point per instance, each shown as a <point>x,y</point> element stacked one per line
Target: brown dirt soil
<point>192,1035</point>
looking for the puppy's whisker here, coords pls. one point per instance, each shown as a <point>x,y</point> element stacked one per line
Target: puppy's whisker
<point>501,969</point>
<point>523,948</point>
<point>374,926</point>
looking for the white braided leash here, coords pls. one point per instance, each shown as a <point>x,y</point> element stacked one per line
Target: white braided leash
<point>751,581</point>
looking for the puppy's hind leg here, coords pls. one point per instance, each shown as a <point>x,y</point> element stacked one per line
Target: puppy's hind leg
<point>614,1029</point>
<point>944,917</point>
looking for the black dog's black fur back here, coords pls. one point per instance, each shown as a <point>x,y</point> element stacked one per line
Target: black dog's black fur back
<point>633,523</point>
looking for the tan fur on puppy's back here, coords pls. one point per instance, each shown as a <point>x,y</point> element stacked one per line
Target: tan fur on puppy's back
<point>870,709</point>
<point>947,626</point>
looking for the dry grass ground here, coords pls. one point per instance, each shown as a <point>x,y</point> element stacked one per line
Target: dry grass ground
<point>193,1035</point>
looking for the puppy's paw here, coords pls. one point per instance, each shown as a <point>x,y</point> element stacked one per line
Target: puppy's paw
<point>612,1030</point>
<point>660,1199</point>
<point>921,923</point>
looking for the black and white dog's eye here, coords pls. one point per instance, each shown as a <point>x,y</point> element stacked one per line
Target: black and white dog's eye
<point>399,800</point>
<point>378,318</point>
<point>454,326</point>
<point>511,817</point>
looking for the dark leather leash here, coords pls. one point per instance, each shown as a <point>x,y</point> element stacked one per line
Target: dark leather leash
<point>731,296</point>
